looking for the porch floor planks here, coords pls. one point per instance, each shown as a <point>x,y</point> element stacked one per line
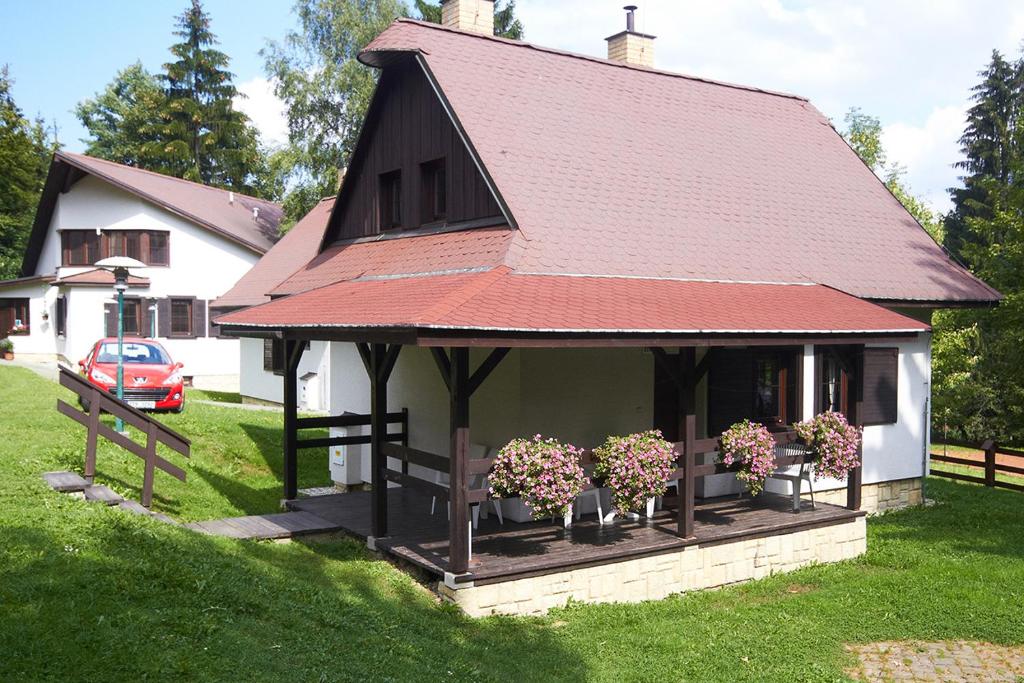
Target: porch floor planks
<point>275,526</point>
<point>516,549</point>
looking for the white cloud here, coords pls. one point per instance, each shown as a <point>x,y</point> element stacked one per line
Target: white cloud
<point>928,152</point>
<point>265,110</point>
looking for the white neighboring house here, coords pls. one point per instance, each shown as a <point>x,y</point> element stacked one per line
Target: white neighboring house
<point>262,360</point>
<point>197,241</point>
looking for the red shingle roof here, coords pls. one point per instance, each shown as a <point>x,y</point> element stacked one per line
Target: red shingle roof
<point>99,276</point>
<point>613,169</point>
<point>501,300</point>
<point>292,252</point>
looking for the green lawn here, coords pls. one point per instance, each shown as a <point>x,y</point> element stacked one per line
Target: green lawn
<point>91,592</point>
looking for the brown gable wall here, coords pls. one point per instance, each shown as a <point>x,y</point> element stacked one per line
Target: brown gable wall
<point>407,128</point>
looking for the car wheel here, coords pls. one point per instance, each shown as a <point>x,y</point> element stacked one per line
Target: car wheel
<point>179,408</point>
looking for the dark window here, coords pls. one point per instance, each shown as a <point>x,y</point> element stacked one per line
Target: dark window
<point>181,318</point>
<point>80,247</point>
<point>132,317</point>
<point>390,200</point>
<point>757,385</point>
<point>881,379</point>
<point>273,356</point>
<point>14,316</point>
<point>159,253</point>
<point>85,247</point>
<point>434,191</point>
<point>60,312</point>
<point>833,385</point>
<point>767,383</point>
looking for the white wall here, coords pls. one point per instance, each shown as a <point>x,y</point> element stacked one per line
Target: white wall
<point>41,340</point>
<point>203,265</point>
<point>255,382</point>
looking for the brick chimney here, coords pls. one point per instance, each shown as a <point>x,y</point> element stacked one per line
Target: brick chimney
<point>629,46</point>
<point>469,15</point>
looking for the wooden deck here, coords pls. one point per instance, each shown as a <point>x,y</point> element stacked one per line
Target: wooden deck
<point>514,550</point>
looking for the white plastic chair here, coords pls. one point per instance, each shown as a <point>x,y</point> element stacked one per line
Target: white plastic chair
<point>476,452</point>
<point>802,474</point>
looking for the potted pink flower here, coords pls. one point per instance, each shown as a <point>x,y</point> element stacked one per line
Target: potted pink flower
<point>545,473</point>
<point>635,469</point>
<point>833,443</point>
<point>752,447</point>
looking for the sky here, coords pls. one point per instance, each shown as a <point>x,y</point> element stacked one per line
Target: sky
<point>911,63</point>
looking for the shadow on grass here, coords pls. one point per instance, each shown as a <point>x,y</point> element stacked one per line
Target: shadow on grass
<point>135,599</point>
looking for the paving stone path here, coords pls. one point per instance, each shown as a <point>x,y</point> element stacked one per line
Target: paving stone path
<point>953,661</point>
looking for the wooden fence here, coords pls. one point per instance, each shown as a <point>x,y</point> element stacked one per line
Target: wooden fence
<point>100,401</point>
<point>988,465</point>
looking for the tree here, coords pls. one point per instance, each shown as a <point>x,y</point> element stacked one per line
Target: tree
<point>25,154</point>
<point>202,137</point>
<point>326,91</point>
<point>506,24</point>
<point>864,134</point>
<point>123,120</point>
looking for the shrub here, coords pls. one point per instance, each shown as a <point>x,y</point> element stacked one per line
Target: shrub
<point>833,442</point>
<point>6,346</point>
<point>635,468</point>
<point>546,474</point>
<point>752,446</point>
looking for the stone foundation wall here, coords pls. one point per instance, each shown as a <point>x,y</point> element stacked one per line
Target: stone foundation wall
<point>887,495</point>
<point>656,577</point>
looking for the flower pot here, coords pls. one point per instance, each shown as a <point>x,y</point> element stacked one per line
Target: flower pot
<point>8,355</point>
<point>650,508</point>
<point>567,518</point>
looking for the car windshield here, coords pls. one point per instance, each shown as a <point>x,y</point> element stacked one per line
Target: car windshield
<point>134,352</point>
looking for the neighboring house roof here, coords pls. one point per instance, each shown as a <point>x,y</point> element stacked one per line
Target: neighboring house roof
<point>17,282</point>
<point>499,300</point>
<point>292,251</point>
<point>640,201</point>
<point>98,276</point>
<point>208,207</point>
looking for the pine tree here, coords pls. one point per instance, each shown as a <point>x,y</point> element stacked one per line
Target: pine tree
<point>203,138</point>
<point>990,149</point>
<point>25,152</point>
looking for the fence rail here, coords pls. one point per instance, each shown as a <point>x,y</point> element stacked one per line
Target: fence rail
<point>100,401</point>
<point>989,465</point>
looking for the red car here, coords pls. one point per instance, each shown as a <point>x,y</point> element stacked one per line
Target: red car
<point>152,381</point>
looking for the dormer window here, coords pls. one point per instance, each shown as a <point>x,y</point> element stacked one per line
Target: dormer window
<point>433,188</point>
<point>390,200</point>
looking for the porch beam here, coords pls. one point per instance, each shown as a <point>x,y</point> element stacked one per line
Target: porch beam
<point>855,478</point>
<point>688,432</point>
<point>292,355</point>
<point>364,355</point>
<point>388,364</point>
<point>458,525</point>
<point>486,368</point>
<point>669,364</point>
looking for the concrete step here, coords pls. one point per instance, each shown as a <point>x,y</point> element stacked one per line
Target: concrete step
<point>65,482</point>
<point>101,494</point>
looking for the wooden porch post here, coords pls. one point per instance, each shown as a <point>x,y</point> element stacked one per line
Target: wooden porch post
<point>854,480</point>
<point>458,525</point>
<point>378,433</point>
<point>688,435</point>
<point>292,355</point>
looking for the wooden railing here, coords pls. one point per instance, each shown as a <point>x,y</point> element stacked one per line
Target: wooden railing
<point>989,465</point>
<point>351,420</point>
<point>477,468</point>
<point>101,401</point>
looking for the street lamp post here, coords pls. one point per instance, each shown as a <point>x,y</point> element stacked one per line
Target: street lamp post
<point>119,265</point>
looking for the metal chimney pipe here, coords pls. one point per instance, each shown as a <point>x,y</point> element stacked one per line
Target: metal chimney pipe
<point>630,25</point>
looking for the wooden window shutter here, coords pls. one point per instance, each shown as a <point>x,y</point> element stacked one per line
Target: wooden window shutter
<point>199,318</point>
<point>880,370</point>
<point>268,355</point>
<point>163,318</point>
<point>110,320</point>
<point>214,327</point>
<point>146,318</point>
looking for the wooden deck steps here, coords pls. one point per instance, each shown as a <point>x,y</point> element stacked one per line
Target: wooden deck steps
<point>137,508</point>
<point>275,526</point>
<point>65,482</point>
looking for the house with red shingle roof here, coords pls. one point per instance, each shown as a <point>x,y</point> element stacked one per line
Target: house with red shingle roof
<point>530,241</point>
<point>195,241</point>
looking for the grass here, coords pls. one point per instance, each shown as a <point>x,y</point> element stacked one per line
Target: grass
<point>212,395</point>
<point>91,591</point>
